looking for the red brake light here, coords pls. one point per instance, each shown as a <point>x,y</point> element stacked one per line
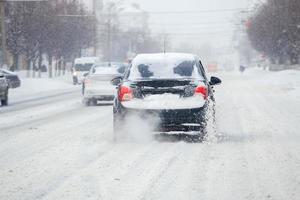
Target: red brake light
<point>202,90</point>
<point>87,81</point>
<point>125,93</point>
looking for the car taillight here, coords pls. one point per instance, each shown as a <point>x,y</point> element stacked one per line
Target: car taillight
<point>125,93</point>
<point>87,81</point>
<point>201,90</point>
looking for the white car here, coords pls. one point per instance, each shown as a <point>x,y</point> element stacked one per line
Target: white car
<point>82,66</point>
<point>97,84</point>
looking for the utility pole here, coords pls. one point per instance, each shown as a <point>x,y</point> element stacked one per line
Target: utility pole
<point>95,26</point>
<point>3,34</point>
<point>164,43</point>
<point>109,36</point>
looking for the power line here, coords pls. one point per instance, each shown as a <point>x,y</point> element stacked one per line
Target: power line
<point>183,12</point>
<point>190,24</point>
<point>200,34</point>
<point>196,11</point>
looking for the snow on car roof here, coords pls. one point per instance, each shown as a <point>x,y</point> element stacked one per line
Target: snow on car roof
<point>7,71</point>
<point>105,70</point>
<point>174,57</point>
<point>164,66</point>
<point>84,60</point>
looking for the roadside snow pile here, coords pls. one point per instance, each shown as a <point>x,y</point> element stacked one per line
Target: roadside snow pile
<point>31,87</point>
<point>288,81</point>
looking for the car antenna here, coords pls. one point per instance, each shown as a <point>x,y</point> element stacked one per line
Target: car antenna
<point>164,44</point>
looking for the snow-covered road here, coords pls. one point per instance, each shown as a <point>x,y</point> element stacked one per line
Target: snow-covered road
<point>56,148</point>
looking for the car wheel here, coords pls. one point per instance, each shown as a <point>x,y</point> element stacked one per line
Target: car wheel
<point>198,138</point>
<point>93,102</point>
<point>117,127</point>
<point>75,81</point>
<point>83,86</point>
<point>87,102</point>
<point>4,102</point>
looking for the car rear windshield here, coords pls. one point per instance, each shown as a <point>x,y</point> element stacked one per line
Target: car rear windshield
<point>83,67</point>
<point>108,69</point>
<point>164,69</point>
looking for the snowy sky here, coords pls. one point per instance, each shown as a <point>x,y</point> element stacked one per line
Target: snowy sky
<point>214,25</point>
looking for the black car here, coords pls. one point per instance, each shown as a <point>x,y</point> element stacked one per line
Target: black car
<point>12,78</point>
<point>170,87</point>
<point>3,90</point>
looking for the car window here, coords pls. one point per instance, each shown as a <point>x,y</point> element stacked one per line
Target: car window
<point>109,67</point>
<point>83,67</point>
<point>169,69</point>
<point>106,70</point>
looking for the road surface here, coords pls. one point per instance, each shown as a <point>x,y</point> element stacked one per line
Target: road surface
<point>53,147</point>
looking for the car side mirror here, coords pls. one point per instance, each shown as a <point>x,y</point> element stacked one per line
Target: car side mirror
<point>1,75</point>
<point>215,81</point>
<point>85,74</point>
<point>116,81</point>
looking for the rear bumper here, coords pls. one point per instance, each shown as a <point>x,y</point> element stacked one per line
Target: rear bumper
<point>101,97</point>
<point>99,93</point>
<point>182,120</point>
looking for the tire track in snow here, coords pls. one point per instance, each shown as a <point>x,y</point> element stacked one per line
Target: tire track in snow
<point>44,136</point>
<point>107,171</point>
<point>27,104</point>
<point>58,149</point>
<point>186,177</point>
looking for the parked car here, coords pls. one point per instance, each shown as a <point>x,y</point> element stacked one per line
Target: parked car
<point>171,87</point>
<point>97,84</point>
<point>82,66</point>
<point>12,78</point>
<point>4,87</point>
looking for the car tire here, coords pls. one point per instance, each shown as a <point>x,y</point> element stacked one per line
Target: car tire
<point>83,87</point>
<point>4,102</point>
<point>75,81</point>
<point>198,138</point>
<point>90,102</point>
<point>87,102</point>
<point>117,127</point>
<point>93,102</point>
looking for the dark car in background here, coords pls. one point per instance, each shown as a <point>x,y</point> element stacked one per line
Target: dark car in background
<point>12,78</point>
<point>172,88</point>
<point>4,87</point>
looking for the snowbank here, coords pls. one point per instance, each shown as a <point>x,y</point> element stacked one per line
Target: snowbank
<point>288,81</point>
<point>31,87</point>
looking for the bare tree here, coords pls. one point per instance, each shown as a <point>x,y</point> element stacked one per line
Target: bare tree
<point>275,30</point>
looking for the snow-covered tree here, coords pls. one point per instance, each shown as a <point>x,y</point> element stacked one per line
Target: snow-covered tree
<point>274,30</point>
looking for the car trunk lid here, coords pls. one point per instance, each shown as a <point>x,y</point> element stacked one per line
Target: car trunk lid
<point>182,88</point>
<point>164,95</point>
